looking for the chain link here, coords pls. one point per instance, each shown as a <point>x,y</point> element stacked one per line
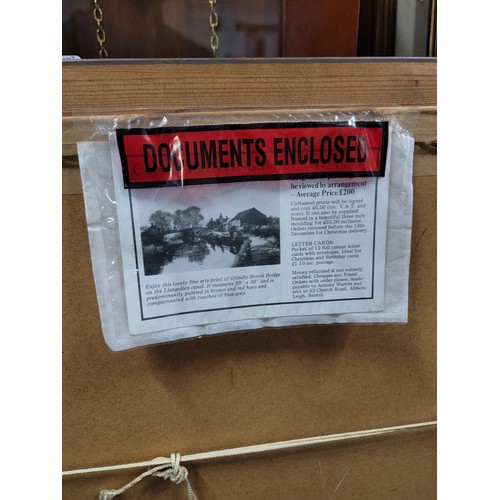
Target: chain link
<point>213,19</point>
<point>100,34</point>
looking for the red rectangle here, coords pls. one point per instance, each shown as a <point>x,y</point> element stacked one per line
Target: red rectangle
<point>268,151</point>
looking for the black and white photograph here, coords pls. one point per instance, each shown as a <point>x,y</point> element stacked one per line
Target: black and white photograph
<point>210,227</point>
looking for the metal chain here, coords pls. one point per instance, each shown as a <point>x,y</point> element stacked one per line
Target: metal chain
<point>100,35</point>
<point>214,22</point>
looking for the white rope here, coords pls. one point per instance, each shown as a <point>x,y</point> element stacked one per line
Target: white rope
<point>170,468</point>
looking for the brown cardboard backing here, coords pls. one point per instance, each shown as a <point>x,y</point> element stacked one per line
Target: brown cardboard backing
<point>254,387</point>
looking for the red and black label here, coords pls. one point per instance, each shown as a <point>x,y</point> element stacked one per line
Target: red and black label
<point>158,157</point>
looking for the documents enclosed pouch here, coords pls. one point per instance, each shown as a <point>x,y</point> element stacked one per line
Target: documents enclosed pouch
<point>234,221</point>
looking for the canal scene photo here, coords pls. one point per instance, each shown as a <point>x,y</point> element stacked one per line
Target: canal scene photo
<point>231,229</point>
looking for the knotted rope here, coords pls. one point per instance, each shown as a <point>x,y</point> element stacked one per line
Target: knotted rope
<point>169,469</point>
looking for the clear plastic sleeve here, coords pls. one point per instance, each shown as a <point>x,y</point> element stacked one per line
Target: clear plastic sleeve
<point>230,221</point>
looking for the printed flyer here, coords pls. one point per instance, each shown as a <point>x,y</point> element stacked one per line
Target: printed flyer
<point>220,224</point>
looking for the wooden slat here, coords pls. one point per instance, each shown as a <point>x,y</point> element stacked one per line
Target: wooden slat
<point>166,85</point>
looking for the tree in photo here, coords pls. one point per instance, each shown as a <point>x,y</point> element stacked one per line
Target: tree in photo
<point>163,220</point>
<point>190,217</point>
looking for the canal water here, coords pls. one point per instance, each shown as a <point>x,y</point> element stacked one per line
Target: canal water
<point>205,255</point>
<point>200,256</point>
